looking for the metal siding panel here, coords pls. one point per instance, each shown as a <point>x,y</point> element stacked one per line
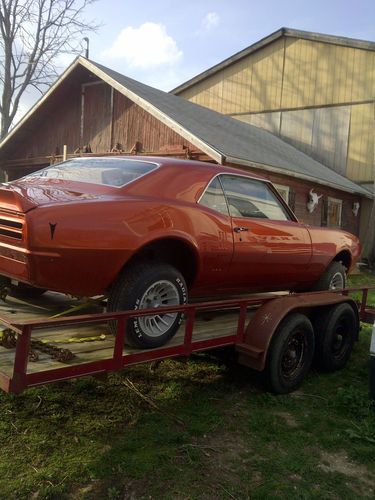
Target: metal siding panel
<point>267,121</point>
<point>330,137</point>
<point>253,83</point>
<point>296,128</point>
<point>267,66</point>
<point>361,143</point>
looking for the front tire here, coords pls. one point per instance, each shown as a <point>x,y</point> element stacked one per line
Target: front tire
<point>145,286</point>
<point>290,354</point>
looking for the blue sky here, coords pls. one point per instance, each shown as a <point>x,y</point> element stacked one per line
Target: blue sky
<point>164,43</point>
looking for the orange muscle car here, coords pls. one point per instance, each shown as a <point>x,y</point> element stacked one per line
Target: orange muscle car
<point>147,231</point>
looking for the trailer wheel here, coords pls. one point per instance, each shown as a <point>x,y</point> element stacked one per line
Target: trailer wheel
<point>334,278</point>
<point>335,332</point>
<point>290,354</point>
<point>145,286</point>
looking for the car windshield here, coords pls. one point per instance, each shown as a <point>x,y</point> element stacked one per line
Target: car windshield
<point>104,171</point>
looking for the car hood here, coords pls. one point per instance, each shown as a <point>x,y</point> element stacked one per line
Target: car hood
<point>23,196</point>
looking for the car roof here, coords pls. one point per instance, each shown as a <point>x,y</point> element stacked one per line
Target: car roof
<point>162,161</point>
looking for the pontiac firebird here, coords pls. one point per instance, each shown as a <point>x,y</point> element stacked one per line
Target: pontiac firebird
<point>148,231</point>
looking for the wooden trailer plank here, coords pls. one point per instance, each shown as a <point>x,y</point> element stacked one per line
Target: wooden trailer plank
<point>103,349</point>
<point>208,325</point>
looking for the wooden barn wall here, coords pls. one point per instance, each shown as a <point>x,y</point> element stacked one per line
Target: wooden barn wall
<point>97,117</point>
<point>133,124</point>
<point>53,127</point>
<point>341,137</point>
<point>300,195</point>
<point>60,123</point>
<point>289,73</point>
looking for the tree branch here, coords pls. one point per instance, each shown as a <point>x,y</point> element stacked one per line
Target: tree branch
<point>33,34</point>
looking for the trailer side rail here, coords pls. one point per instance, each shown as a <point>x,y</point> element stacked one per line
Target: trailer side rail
<point>21,379</point>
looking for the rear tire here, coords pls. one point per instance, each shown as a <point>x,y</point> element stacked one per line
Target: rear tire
<point>146,286</point>
<point>335,331</point>
<point>290,354</point>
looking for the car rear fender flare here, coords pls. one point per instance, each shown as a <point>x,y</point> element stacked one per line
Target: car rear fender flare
<point>264,323</point>
<point>182,250</point>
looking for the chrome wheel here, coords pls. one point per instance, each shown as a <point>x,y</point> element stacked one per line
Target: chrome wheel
<point>160,294</point>
<point>337,281</point>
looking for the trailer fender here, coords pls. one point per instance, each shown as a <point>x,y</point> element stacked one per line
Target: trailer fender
<point>264,323</point>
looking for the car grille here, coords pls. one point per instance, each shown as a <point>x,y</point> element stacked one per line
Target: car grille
<point>11,226</point>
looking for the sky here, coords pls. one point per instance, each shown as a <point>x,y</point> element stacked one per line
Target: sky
<point>164,43</point>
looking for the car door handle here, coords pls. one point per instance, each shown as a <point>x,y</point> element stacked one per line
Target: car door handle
<point>239,229</point>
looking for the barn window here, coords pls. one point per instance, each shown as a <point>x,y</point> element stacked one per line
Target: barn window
<point>334,212</point>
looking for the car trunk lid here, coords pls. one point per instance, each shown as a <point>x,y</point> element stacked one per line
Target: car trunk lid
<point>21,196</point>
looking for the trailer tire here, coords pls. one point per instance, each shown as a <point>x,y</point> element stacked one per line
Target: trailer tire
<point>290,354</point>
<point>333,278</point>
<point>335,333</point>
<point>143,286</point>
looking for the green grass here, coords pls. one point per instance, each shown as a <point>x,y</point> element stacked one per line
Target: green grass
<point>363,279</point>
<point>204,430</point>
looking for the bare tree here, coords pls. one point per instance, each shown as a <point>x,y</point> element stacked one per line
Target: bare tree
<point>33,34</point>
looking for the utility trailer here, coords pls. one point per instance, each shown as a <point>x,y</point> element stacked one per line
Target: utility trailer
<point>280,334</point>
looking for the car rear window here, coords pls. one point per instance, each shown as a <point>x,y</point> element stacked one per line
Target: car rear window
<point>105,171</point>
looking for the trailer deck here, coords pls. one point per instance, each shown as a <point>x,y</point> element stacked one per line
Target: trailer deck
<point>96,350</point>
<point>91,342</point>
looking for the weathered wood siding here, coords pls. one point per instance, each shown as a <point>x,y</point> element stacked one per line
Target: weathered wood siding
<point>97,117</point>
<point>133,124</point>
<point>57,123</point>
<point>103,118</point>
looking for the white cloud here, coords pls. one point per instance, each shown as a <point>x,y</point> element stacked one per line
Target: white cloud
<point>211,20</point>
<point>144,47</point>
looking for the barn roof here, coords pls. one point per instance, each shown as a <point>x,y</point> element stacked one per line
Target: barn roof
<point>223,138</point>
<point>286,32</point>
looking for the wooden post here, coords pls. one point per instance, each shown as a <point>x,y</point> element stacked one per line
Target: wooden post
<point>65,152</point>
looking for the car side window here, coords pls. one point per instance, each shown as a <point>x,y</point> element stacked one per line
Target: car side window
<point>214,198</point>
<point>252,198</point>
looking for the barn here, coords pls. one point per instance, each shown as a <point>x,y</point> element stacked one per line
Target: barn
<point>92,110</point>
<point>314,91</point>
